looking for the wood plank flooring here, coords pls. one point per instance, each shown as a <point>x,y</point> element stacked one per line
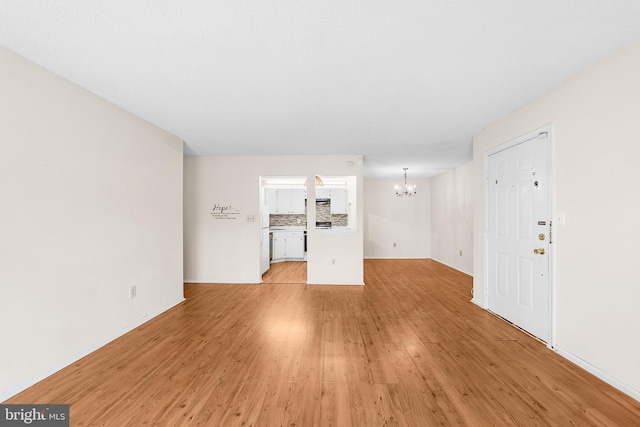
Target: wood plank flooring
<point>286,272</point>
<point>407,349</point>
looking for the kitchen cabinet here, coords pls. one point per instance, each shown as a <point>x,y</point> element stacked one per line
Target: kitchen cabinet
<point>339,202</point>
<point>279,250</point>
<point>288,245</point>
<point>272,200</point>
<point>337,197</point>
<point>323,193</point>
<point>297,201</point>
<point>286,201</point>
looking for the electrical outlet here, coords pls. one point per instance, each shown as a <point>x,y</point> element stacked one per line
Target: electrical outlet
<point>460,252</point>
<point>132,291</point>
<point>333,262</point>
<point>395,245</point>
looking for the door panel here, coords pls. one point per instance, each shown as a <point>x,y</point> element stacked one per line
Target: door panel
<point>502,261</point>
<point>525,215</point>
<point>502,210</point>
<point>526,283</point>
<point>517,213</point>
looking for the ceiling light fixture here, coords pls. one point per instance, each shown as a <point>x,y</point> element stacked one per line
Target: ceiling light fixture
<point>407,190</point>
<point>319,182</point>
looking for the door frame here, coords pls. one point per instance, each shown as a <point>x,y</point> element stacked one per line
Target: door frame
<point>549,129</point>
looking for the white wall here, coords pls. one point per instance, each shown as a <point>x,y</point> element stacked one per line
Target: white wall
<point>452,218</point>
<point>402,220</point>
<point>228,250</point>
<point>91,202</point>
<point>596,151</point>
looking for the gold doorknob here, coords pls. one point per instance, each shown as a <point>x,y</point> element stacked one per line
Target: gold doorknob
<point>539,251</point>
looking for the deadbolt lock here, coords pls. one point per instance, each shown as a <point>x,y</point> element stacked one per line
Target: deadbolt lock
<point>539,251</point>
<point>540,236</point>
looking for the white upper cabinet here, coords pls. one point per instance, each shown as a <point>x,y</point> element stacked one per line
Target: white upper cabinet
<point>339,202</point>
<point>338,198</point>
<point>323,193</point>
<point>286,201</point>
<point>296,200</point>
<point>272,200</point>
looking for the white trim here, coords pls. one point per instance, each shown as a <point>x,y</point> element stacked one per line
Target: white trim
<point>552,343</point>
<point>433,259</point>
<point>48,372</point>
<point>208,282</point>
<point>485,228</point>
<point>549,129</point>
<point>454,267</point>
<point>474,301</point>
<point>397,257</point>
<point>598,373</point>
<point>335,284</point>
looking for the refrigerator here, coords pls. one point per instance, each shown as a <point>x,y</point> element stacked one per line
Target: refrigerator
<point>265,258</point>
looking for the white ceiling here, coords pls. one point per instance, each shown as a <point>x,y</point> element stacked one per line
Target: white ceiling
<point>405,83</point>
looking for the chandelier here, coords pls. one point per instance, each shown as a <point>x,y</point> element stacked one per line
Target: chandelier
<point>407,190</point>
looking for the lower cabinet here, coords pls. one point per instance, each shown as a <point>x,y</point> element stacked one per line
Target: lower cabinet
<point>279,246</point>
<point>288,245</point>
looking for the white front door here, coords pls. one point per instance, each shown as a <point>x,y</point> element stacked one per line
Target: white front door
<point>518,227</point>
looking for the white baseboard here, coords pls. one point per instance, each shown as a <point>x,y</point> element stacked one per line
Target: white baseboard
<point>452,266</point>
<point>205,282</point>
<point>478,303</point>
<point>413,257</point>
<point>396,257</point>
<point>42,375</point>
<point>336,284</point>
<point>598,373</point>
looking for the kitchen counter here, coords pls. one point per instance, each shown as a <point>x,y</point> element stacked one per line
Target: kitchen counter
<point>336,230</point>
<point>288,228</point>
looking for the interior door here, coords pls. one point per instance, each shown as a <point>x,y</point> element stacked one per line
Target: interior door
<point>518,226</point>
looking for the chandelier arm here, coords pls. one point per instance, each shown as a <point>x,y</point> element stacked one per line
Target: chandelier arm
<point>406,191</point>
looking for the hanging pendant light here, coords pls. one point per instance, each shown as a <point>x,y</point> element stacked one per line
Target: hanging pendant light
<point>407,190</point>
<point>319,182</point>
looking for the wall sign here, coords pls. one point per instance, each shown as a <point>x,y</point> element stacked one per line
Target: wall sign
<point>221,211</point>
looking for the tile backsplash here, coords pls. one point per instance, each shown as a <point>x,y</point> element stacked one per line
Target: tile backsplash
<point>323,213</point>
<point>287,220</point>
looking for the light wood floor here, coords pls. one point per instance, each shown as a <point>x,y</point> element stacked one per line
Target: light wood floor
<point>286,272</point>
<point>407,349</point>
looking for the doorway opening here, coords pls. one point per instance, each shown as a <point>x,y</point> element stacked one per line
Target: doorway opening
<point>283,228</point>
<point>289,272</point>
